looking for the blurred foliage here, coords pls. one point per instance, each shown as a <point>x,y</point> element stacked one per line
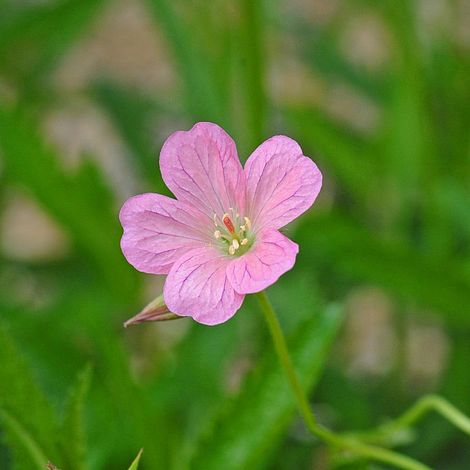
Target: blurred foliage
<point>394,215</point>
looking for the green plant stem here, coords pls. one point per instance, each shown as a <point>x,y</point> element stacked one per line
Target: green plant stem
<point>417,411</point>
<point>438,404</point>
<point>348,443</point>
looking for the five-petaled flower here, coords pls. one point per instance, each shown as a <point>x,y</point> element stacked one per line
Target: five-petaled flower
<point>220,239</point>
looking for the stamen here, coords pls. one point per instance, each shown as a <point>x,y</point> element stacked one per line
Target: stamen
<point>229,229</point>
<point>228,223</point>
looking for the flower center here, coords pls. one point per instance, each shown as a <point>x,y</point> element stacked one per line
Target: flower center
<point>233,233</point>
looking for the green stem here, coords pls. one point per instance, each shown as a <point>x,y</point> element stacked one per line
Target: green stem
<point>422,407</point>
<point>351,444</point>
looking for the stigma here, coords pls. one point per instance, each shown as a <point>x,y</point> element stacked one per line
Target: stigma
<point>233,233</point>
<point>228,223</point>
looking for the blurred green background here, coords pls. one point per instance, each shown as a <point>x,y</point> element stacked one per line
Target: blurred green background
<point>377,307</point>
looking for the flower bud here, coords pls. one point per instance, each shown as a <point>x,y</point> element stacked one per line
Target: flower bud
<point>154,311</point>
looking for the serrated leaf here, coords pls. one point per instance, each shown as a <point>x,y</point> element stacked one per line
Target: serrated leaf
<point>27,417</point>
<point>72,431</point>
<point>135,463</point>
<point>24,445</point>
<point>245,433</point>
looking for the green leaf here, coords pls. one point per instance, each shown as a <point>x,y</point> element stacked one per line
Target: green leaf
<point>200,361</point>
<point>253,423</point>
<point>340,152</point>
<point>34,37</point>
<point>252,65</point>
<point>201,90</point>
<point>133,115</point>
<point>72,433</point>
<point>28,419</point>
<point>81,203</point>
<point>24,444</point>
<point>135,463</point>
<point>322,52</point>
<point>337,244</point>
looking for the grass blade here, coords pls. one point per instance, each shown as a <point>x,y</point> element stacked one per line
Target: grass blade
<point>72,435</point>
<point>26,415</point>
<point>81,203</point>
<point>135,463</point>
<point>22,440</point>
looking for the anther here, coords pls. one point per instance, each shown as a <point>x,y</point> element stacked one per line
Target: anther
<point>235,244</point>
<point>231,250</point>
<point>217,234</point>
<point>247,223</point>
<point>244,241</point>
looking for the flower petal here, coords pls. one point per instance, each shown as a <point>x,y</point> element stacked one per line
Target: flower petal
<point>197,286</point>
<point>281,182</point>
<point>271,256</point>
<point>158,230</point>
<point>201,167</point>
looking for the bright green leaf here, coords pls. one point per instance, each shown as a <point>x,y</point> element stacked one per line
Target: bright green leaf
<point>34,37</point>
<point>135,463</point>
<point>24,445</point>
<point>72,433</point>
<point>28,419</point>
<point>81,203</point>
<point>338,244</point>
<point>253,423</point>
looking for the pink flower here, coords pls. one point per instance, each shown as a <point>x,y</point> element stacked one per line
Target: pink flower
<point>220,239</point>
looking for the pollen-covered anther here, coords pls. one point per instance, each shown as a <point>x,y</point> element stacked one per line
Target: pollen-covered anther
<point>234,246</point>
<point>244,241</point>
<point>247,223</point>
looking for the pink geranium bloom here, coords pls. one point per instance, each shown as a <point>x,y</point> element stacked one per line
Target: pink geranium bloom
<point>220,239</point>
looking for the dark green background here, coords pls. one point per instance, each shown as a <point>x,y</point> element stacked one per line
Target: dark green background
<point>377,306</point>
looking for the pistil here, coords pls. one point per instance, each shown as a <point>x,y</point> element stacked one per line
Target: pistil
<point>228,223</point>
<point>234,235</point>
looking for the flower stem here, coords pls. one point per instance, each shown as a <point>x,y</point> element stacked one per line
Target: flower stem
<point>414,414</point>
<point>438,404</point>
<point>351,444</point>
